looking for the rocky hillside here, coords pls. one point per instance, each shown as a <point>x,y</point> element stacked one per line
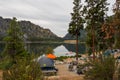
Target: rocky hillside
<point>81,38</point>
<point>30,30</point>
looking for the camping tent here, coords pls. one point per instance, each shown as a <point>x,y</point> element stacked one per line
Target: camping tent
<point>51,56</point>
<point>46,62</point>
<point>108,52</point>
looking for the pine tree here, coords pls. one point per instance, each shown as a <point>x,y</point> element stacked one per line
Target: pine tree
<point>14,41</point>
<point>76,23</point>
<point>111,27</point>
<point>116,22</point>
<point>95,17</point>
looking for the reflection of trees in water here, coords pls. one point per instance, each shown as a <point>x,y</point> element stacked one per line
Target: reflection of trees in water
<point>37,48</point>
<point>40,48</point>
<point>72,47</point>
<point>2,45</point>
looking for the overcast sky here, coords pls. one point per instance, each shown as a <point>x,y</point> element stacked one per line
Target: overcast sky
<point>52,14</point>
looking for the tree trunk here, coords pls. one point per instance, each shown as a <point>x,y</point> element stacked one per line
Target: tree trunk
<point>76,47</point>
<point>117,39</point>
<point>93,42</point>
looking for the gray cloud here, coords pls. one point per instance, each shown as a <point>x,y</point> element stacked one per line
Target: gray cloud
<point>52,14</point>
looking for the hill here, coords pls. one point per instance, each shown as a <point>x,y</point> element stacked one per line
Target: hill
<point>82,37</point>
<point>31,31</point>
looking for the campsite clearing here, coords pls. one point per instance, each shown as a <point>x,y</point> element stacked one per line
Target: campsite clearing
<point>65,74</point>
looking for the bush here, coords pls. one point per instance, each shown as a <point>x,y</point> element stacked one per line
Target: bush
<point>5,63</point>
<point>23,69</point>
<point>61,58</point>
<point>102,69</point>
<point>49,50</point>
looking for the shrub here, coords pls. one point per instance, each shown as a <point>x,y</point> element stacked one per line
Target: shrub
<point>61,58</point>
<point>23,69</point>
<point>102,69</point>
<point>5,63</point>
<point>49,50</point>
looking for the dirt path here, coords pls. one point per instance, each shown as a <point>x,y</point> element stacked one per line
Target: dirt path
<point>0,74</point>
<point>64,74</point>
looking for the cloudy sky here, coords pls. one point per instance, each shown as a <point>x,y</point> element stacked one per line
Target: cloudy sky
<point>52,14</point>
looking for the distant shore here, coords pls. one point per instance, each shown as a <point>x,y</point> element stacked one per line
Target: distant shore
<point>38,42</point>
<point>71,41</point>
<point>65,41</point>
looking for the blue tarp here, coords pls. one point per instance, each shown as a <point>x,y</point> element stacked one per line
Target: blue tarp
<point>108,52</point>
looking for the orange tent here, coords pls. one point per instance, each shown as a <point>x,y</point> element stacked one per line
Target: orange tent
<point>51,56</point>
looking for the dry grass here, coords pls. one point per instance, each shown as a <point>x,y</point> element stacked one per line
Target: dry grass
<point>64,78</point>
<point>72,78</point>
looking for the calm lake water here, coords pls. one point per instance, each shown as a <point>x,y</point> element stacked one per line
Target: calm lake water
<point>59,49</point>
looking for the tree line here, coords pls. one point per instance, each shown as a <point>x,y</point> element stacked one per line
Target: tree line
<point>102,30</point>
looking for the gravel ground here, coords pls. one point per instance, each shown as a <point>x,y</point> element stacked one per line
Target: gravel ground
<point>65,74</point>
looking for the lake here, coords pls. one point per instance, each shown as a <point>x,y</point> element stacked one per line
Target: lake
<point>60,49</point>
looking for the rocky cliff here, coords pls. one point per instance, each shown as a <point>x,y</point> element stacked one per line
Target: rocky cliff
<point>30,30</point>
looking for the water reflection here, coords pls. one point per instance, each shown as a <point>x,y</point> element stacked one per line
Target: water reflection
<point>59,49</point>
<point>39,48</point>
<point>72,47</point>
<point>2,45</point>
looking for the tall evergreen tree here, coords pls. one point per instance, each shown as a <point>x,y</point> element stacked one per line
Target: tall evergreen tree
<point>116,22</point>
<point>95,17</point>
<point>108,31</point>
<point>111,27</point>
<point>14,41</point>
<point>76,23</point>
